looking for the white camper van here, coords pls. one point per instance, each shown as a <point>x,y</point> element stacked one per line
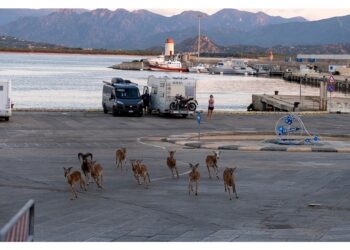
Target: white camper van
<point>5,100</point>
<point>165,92</point>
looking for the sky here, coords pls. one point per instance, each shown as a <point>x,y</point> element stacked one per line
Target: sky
<point>310,9</point>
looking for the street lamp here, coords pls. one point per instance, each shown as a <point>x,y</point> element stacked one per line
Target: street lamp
<point>301,80</point>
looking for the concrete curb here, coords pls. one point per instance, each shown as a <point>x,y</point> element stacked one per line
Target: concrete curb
<point>265,149</point>
<point>187,142</point>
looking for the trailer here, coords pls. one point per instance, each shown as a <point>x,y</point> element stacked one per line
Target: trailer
<point>162,91</point>
<point>5,100</point>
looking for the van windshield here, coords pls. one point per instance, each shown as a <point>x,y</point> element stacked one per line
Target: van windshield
<point>127,93</point>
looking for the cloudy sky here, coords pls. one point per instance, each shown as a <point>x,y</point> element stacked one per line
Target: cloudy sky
<point>311,9</point>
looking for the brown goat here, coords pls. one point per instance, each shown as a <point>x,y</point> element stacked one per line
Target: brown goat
<point>212,161</point>
<point>72,179</point>
<point>193,176</point>
<point>120,158</point>
<point>140,170</point>
<point>96,171</point>
<point>229,181</point>
<point>83,158</point>
<point>171,162</point>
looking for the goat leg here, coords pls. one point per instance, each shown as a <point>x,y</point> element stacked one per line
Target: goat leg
<point>217,171</point>
<point>209,171</point>
<point>234,190</point>
<point>73,193</point>
<point>177,173</point>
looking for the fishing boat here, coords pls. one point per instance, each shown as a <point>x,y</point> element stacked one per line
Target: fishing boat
<point>167,65</point>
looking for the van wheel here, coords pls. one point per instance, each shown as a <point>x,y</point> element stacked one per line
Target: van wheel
<point>140,114</point>
<point>105,110</point>
<point>7,119</point>
<point>115,112</point>
<point>184,115</point>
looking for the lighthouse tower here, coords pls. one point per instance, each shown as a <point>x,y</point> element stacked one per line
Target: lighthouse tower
<point>270,55</point>
<point>169,47</point>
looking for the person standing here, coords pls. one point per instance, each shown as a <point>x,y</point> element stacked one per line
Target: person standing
<point>145,97</point>
<point>210,107</point>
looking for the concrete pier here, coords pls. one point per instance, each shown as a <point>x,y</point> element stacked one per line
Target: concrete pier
<point>140,65</point>
<point>288,103</point>
<point>342,83</point>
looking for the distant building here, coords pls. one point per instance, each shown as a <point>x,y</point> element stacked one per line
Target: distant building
<point>304,57</point>
<point>169,47</point>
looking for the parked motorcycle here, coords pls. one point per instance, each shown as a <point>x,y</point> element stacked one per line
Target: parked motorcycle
<point>183,103</point>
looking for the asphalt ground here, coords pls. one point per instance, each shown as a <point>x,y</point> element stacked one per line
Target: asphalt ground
<point>275,188</point>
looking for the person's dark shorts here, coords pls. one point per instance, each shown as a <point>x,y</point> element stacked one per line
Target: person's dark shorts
<point>210,108</point>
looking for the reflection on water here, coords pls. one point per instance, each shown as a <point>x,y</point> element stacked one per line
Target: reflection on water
<point>75,82</point>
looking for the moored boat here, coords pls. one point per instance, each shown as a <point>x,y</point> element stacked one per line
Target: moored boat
<point>232,66</point>
<point>199,68</point>
<point>166,65</point>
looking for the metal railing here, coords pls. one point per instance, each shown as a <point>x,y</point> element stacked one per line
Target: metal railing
<point>21,226</point>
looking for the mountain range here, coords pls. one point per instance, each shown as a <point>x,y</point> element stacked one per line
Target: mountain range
<point>142,29</point>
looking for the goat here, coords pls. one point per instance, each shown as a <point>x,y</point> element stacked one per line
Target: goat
<point>120,157</point>
<point>193,176</point>
<point>229,181</point>
<point>96,171</point>
<point>72,179</point>
<point>140,170</point>
<point>83,158</point>
<point>171,162</point>
<point>211,162</point>
<point>134,167</point>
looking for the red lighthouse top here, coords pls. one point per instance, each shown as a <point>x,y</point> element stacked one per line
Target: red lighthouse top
<point>169,40</point>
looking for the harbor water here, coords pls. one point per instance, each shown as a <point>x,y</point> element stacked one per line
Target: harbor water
<point>66,81</point>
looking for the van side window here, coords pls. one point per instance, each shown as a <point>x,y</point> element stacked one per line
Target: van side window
<point>1,88</point>
<point>154,90</point>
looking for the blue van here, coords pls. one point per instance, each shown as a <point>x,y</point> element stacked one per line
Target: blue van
<point>121,97</point>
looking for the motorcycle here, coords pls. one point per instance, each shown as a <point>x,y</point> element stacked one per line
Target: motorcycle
<point>183,103</point>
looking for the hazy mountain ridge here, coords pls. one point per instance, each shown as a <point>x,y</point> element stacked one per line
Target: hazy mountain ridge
<point>142,29</point>
<point>122,29</point>
<point>209,47</point>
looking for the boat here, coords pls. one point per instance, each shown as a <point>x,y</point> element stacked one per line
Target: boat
<point>166,65</point>
<point>243,70</point>
<point>156,60</point>
<point>199,68</point>
<point>222,67</point>
<point>232,66</point>
<point>264,69</point>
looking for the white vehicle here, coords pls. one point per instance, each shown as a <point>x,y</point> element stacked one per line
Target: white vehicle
<point>5,100</point>
<point>165,93</point>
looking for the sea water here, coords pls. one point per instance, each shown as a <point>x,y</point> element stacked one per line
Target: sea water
<point>72,81</point>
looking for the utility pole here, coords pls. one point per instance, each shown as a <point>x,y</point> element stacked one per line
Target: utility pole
<point>199,34</point>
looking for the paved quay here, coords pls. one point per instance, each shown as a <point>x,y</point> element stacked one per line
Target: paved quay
<point>276,188</point>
